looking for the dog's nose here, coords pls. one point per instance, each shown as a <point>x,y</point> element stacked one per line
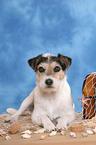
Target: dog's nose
<point>49,82</point>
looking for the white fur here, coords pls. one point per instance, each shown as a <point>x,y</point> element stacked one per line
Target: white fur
<point>52,105</point>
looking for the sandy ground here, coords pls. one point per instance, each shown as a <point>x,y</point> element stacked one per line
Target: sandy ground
<point>58,139</point>
<point>55,140</point>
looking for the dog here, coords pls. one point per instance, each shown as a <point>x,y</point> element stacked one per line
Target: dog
<point>51,97</point>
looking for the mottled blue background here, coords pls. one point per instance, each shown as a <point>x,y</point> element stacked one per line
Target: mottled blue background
<point>31,27</point>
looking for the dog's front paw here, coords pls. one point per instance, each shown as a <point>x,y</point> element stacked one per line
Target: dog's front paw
<point>49,127</point>
<point>61,125</point>
<point>11,119</point>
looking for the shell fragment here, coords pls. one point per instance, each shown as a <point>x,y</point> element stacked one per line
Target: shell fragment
<point>62,132</point>
<point>84,134</point>
<point>42,137</point>
<point>94,130</point>
<point>27,132</point>
<point>53,133</point>
<point>73,134</point>
<point>76,127</point>
<point>26,136</point>
<point>14,128</point>
<point>2,133</point>
<point>40,131</point>
<point>7,137</point>
<point>90,132</point>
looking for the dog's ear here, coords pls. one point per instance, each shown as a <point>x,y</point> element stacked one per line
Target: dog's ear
<point>33,62</point>
<point>67,61</point>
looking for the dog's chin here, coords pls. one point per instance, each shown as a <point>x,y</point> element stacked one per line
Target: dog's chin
<point>49,89</point>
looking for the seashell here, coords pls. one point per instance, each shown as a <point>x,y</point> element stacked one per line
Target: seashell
<point>76,127</point>
<point>62,132</point>
<point>40,131</point>
<point>27,132</point>
<point>89,132</point>
<point>7,137</point>
<point>84,134</point>
<point>26,136</point>
<point>53,133</point>
<point>94,130</point>
<point>42,137</point>
<point>2,132</point>
<point>73,134</point>
<point>14,128</point>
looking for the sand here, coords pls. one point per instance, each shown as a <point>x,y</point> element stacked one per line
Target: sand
<point>58,139</point>
<point>55,140</point>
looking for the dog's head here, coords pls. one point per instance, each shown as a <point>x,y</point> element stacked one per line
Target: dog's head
<point>50,70</point>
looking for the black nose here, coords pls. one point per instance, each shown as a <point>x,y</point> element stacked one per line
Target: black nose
<point>49,82</point>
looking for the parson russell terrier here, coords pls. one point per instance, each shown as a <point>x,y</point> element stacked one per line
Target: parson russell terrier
<point>51,97</point>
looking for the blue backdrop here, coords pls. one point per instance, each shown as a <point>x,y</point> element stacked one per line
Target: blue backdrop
<point>31,27</point>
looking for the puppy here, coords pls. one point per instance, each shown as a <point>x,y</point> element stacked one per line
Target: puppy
<point>51,97</point>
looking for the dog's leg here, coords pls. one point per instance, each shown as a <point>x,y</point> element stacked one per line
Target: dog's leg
<point>42,120</point>
<point>25,104</point>
<point>64,121</point>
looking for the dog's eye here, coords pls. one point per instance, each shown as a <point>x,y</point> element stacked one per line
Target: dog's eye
<point>57,69</point>
<point>41,69</point>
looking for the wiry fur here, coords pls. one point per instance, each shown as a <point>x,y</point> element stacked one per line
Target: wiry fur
<point>50,101</point>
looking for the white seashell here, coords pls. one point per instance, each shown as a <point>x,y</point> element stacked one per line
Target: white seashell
<point>89,132</point>
<point>27,132</point>
<point>25,136</point>
<point>94,130</point>
<point>42,137</point>
<point>53,133</point>
<point>40,131</point>
<point>2,132</point>
<point>95,127</point>
<point>62,132</point>
<point>73,134</point>
<point>84,134</point>
<point>7,137</point>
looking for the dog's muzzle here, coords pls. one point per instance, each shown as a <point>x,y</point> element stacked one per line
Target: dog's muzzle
<point>49,83</point>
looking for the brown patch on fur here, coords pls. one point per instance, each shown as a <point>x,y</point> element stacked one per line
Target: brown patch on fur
<point>49,70</point>
<point>60,75</point>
